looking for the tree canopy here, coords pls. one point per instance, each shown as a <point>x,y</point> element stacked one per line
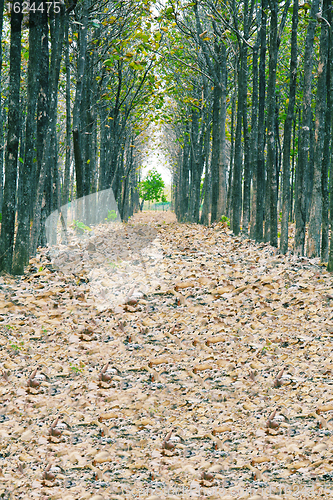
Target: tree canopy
<point>240,94</point>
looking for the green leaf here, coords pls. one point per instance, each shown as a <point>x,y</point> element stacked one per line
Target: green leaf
<point>95,23</point>
<point>136,65</point>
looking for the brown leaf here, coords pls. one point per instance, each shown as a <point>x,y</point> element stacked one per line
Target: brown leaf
<point>47,475</point>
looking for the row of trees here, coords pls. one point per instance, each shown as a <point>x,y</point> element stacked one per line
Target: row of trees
<point>78,87</point>
<point>251,85</point>
<point>242,90</point>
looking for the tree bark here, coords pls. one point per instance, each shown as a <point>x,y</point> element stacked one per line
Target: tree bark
<point>325,172</point>
<point>216,147</point>
<point>261,128</point>
<point>205,195</point>
<point>237,170</point>
<point>1,109</point>
<point>77,132</point>
<point>43,100</point>
<point>25,205</point>
<point>246,135</point>
<point>103,146</point>
<point>303,163</point>
<point>254,135</point>
<point>327,152</point>
<point>184,177</point>
<point>194,164</point>
<point>271,153</point>
<point>288,125</point>
<point>66,180</point>
<point>222,180</point>
<point>232,155</point>
<point>48,166</point>
<point>314,232</point>
<point>206,201</point>
<point>13,133</point>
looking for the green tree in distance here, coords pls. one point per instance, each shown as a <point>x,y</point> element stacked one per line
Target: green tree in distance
<point>151,188</point>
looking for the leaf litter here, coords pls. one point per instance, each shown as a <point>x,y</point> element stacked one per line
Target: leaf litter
<point>165,360</point>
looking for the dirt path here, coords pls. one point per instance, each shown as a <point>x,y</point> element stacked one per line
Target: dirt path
<point>208,371</point>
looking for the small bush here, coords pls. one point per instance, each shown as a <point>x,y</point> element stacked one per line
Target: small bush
<point>80,227</point>
<point>112,215</point>
<point>225,219</point>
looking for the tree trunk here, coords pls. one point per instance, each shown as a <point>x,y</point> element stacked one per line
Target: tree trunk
<point>222,199</point>
<point>216,147</point>
<point>194,163</point>
<point>43,100</point>
<point>47,168</point>
<point>254,135</point>
<point>293,169</point>
<point>1,109</point>
<point>42,127</point>
<point>13,133</point>
<point>288,125</point>
<point>330,257</point>
<point>103,147</point>
<point>271,153</point>
<point>314,232</point>
<point>66,180</point>
<point>327,165</point>
<point>205,196</point>
<point>206,201</point>
<point>25,205</point>
<point>237,170</point>
<point>325,171</point>
<point>57,25</point>
<point>246,135</point>
<point>184,177</point>
<point>261,128</point>
<point>303,161</point>
<point>78,142</point>
<point>232,155</point>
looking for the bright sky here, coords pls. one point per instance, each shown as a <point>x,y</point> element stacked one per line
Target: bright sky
<point>156,159</point>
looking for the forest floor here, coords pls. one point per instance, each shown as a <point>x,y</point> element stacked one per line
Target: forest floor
<point>163,360</point>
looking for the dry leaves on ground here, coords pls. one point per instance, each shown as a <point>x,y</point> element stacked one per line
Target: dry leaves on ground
<point>202,362</point>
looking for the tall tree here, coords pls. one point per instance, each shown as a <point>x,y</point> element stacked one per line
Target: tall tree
<point>288,124</point>
<point>315,220</point>
<point>46,176</point>
<point>271,218</point>
<point>66,180</point>
<point>242,124</point>
<point>261,126</point>
<point>13,134</point>
<point>254,130</point>
<point>26,178</point>
<point>247,15</point>
<point>215,58</point>
<point>78,141</point>
<point>1,110</point>
<point>302,173</point>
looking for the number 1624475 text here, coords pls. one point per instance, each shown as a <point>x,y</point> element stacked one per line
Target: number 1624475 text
<point>34,7</point>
